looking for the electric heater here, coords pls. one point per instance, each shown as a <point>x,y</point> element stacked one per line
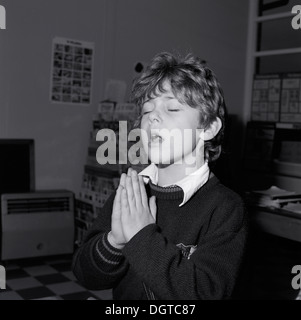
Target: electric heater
<point>37,224</point>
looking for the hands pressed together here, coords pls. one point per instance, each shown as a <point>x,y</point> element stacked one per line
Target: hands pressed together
<point>132,211</point>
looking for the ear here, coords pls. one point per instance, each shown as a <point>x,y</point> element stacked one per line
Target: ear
<point>212,130</point>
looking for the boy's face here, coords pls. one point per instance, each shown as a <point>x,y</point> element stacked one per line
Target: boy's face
<point>169,129</point>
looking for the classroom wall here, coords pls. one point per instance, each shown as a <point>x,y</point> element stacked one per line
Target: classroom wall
<point>124,32</point>
<point>215,30</point>
<point>61,132</point>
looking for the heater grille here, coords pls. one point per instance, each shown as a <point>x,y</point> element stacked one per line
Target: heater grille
<point>37,205</point>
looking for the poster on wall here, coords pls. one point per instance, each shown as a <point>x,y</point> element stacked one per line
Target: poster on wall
<point>71,71</point>
<point>291,98</point>
<point>266,98</point>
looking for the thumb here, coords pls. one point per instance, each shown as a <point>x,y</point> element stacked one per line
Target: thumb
<point>153,207</point>
<point>117,204</point>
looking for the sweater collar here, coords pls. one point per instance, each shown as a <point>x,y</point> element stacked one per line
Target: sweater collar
<point>189,185</point>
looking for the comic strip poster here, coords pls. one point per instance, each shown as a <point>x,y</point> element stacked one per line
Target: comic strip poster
<point>71,71</point>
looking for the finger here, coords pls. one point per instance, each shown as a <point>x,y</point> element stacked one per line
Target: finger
<point>136,188</point>
<point>124,203</point>
<point>117,204</point>
<point>130,194</point>
<point>129,172</point>
<point>153,207</point>
<point>143,192</point>
<point>122,180</point>
<point>116,214</point>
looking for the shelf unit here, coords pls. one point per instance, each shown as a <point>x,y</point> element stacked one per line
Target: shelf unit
<point>100,181</point>
<point>254,52</point>
<point>260,45</point>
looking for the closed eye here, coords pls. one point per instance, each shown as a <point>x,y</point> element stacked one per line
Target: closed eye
<point>147,108</point>
<point>174,110</point>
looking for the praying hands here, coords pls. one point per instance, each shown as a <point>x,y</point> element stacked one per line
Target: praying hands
<point>132,210</point>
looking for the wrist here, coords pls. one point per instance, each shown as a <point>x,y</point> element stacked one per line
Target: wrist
<point>113,243</point>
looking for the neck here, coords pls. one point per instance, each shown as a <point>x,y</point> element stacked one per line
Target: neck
<point>170,174</point>
<point>173,173</point>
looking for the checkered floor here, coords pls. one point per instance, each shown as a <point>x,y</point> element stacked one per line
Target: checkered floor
<point>50,278</point>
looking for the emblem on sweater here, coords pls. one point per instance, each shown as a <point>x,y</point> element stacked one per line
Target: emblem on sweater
<point>187,251</point>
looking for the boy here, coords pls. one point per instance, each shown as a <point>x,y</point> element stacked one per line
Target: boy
<point>182,234</point>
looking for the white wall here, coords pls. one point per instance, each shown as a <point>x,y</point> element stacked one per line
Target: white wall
<point>124,32</point>
<point>216,30</point>
<point>60,131</point>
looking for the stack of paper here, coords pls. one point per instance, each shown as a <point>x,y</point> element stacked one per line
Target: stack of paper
<point>272,197</point>
<point>293,207</point>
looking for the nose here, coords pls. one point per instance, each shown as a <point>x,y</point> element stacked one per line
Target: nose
<point>154,116</point>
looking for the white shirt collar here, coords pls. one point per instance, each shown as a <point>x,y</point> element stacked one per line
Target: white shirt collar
<point>190,184</point>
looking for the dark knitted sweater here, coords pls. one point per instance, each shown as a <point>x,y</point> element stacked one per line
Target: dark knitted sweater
<point>192,252</point>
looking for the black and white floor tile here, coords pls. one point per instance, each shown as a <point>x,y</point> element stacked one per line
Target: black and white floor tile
<point>50,278</point>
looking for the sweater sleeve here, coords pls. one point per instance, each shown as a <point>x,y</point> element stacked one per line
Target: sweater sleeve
<point>211,271</point>
<point>96,263</point>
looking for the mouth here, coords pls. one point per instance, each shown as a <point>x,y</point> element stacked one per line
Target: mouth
<point>156,138</point>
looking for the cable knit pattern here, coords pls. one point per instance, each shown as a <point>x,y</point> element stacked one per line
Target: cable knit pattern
<point>192,252</point>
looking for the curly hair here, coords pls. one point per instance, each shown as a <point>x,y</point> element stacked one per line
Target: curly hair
<point>192,83</point>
